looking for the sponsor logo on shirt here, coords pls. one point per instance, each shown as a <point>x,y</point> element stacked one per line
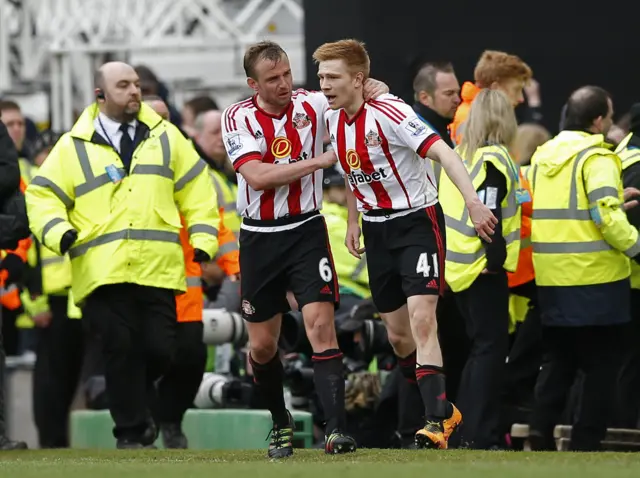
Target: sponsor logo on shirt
<point>356,178</point>
<point>280,147</point>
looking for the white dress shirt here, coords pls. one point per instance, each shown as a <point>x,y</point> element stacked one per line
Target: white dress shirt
<point>110,129</point>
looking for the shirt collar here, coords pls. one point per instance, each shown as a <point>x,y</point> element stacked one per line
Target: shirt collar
<point>111,127</point>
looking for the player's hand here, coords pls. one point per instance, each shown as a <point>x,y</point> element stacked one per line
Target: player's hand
<point>628,194</point>
<point>373,88</point>
<point>482,218</point>
<point>352,241</point>
<point>327,159</point>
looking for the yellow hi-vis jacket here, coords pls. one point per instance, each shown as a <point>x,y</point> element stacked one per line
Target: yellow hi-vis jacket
<point>629,157</point>
<point>580,232</point>
<point>227,193</point>
<point>466,257</point>
<point>128,230</point>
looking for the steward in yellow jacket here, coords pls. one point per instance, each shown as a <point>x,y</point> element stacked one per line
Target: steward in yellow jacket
<point>582,243</point>
<point>112,193</point>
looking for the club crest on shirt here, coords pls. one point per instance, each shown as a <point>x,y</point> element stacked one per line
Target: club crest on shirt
<point>415,126</point>
<point>301,120</point>
<point>372,139</point>
<point>233,143</point>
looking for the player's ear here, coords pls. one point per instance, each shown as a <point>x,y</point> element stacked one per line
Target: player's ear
<point>359,80</point>
<point>253,84</point>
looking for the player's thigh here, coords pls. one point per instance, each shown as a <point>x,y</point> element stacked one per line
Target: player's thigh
<point>262,282</point>
<point>311,273</point>
<point>384,281</point>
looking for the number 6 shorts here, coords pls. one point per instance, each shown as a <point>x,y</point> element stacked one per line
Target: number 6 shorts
<point>297,260</point>
<point>405,256</point>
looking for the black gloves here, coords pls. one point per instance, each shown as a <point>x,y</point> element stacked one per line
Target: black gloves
<point>200,256</point>
<point>68,238</point>
<point>14,267</point>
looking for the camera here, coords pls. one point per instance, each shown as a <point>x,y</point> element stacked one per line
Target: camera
<point>220,391</point>
<point>221,327</point>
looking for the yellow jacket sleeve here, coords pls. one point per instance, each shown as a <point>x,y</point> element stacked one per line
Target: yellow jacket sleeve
<point>603,183</point>
<point>195,195</point>
<point>50,195</point>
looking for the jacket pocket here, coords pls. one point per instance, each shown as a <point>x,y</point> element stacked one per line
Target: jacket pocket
<point>169,217</point>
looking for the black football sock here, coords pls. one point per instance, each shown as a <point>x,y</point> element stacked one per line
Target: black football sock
<point>329,381</point>
<point>408,367</point>
<point>431,381</point>
<point>268,378</point>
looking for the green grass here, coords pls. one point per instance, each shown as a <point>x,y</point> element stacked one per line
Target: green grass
<point>314,464</point>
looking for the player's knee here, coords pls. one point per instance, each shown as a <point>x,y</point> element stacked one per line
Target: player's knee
<point>401,341</point>
<point>263,349</point>
<point>423,323</point>
<point>319,322</point>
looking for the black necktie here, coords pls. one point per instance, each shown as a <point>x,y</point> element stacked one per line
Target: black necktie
<point>126,146</point>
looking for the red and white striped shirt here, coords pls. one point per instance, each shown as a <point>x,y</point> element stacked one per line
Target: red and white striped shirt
<point>382,151</point>
<point>250,133</point>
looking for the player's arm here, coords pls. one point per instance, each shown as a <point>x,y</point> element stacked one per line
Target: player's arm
<point>244,152</point>
<point>352,240</point>
<point>412,132</point>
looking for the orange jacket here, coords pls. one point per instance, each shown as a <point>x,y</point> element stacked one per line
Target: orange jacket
<point>189,305</point>
<point>524,272</point>
<point>11,298</point>
<point>467,95</point>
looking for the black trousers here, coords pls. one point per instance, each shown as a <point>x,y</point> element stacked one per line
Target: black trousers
<point>628,399</point>
<point>593,350</point>
<point>178,387</point>
<point>60,351</point>
<point>485,307</point>
<point>136,327</point>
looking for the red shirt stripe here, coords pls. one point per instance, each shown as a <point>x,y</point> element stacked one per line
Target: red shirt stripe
<point>382,197</point>
<point>267,198</point>
<point>342,156</point>
<point>295,188</point>
<point>387,110</point>
<point>314,129</point>
<point>385,148</point>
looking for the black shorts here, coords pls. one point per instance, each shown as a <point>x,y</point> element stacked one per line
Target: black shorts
<point>405,257</point>
<point>297,260</point>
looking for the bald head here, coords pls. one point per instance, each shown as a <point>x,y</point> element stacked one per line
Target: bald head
<point>158,105</point>
<point>208,134</point>
<point>589,109</point>
<point>118,90</point>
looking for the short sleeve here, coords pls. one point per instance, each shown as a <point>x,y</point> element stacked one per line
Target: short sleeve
<point>239,142</point>
<point>409,129</point>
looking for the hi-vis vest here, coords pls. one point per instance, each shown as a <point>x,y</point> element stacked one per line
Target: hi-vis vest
<point>466,257</point>
<point>353,277</point>
<point>629,157</point>
<point>56,272</point>
<point>128,227</point>
<point>227,193</point>
<point>568,247</point>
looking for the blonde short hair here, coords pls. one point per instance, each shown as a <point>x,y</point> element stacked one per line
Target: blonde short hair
<point>492,120</point>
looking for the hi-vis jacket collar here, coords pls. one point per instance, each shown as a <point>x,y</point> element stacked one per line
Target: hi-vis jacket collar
<point>84,129</point>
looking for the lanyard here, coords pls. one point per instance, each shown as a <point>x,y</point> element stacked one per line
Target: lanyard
<point>107,137</point>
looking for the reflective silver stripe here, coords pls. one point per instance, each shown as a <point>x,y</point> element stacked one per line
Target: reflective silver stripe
<point>603,192</point>
<point>47,183</point>
<point>194,281</point>
<point>562,214</point>
<point>203,228</point>
<point>476,169</point>
<point>628,159</point>
<point>228,206</point>
<point>153,170</point>
<point>359,268</point>
<point>91,182</point>
<point>570,247</point>
<point>226,248</point>
<point>459,226</point>
<point>164,170</point>
<point>633,250</point>
<point>50,225</point>
<point>525,242</point>
<point>512,236</point>
<point>126,234</point>
<point>191,174</point>
<point>47,261</point>
<point>465,257</point>
<point>572,212</point>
